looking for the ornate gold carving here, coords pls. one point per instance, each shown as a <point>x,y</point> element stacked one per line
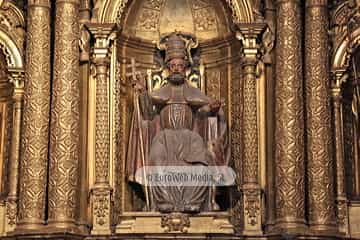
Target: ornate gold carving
<point>198,4</point>
<point>236,107</point>
<point>119,143</point>
<point>205,19</point>
<point>101,201</point>
<point>175,222</point>
<point>101,208</point>
<point>104,35</point>
<point>344,23</point>
<point>289,133</point>
<point>151,21</point>
<point>102,150</point>
<point>85,10</point>
<point>34,150</point>
<point>64,138</point>
<point>316,3</point>
<point>238,13</point>
<point>101,59</point>
<point>120,10</point>
<point>320,157</point>
<point>249,36</point>
<point>12,22</point>
<point>250,129</point>
<point>17,79</point>
<point>11,213</point>
<point>213,79</point>
<point>39,3</point>
<point>110,11</point>
<point>341,201</point>
<point>148,20</point>
<point>252,207</point>
<point>154,4</point>
<point>343,215</point>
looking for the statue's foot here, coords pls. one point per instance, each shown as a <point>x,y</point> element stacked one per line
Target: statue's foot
<point>165,208</point>
<point>192,208</point>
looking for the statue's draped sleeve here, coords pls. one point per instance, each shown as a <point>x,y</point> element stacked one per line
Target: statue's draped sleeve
<point>212,127</point>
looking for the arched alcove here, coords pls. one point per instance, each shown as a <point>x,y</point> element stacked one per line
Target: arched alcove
<point>142,24</point>
<point>112,10</point>
<point>351,126</point>
<point>148,20</point>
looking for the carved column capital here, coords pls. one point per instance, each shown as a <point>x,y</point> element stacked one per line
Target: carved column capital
<point>339,76</point>
<point>250,37</point>
<point>17,76</point>
<point>39,3</point>
<point>278,2</point>
<point>77,2</point>
<point>104,34</point>
<point>316,3</point>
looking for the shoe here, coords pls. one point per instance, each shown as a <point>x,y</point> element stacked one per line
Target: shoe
<point>192,208</point>
<point>165,208</point>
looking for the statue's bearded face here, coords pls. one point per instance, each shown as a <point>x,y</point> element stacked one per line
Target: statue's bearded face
<point>177,67</point>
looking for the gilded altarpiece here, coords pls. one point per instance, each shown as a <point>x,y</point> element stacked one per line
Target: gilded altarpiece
<point>257,57</point>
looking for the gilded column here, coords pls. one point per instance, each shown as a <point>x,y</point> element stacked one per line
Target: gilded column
<point>289,132</point>
<point>102,191</point>
<point>341,199</point>
<point>269,60</point>
<point>17,79</point>
<point>319,135</point>
<point>84,201</point>
<point>249,35</point>
<point>35,132</point>
<point>64,138</point>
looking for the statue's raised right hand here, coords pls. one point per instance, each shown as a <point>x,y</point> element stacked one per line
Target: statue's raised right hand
<point>138,86</point>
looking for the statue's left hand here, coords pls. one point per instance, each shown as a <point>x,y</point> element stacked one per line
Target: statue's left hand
<point>215,106</point>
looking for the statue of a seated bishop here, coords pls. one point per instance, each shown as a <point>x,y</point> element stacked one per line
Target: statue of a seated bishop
<point>172,129</point>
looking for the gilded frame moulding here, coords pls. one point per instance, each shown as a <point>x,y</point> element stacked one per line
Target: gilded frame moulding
<point>13,53</point>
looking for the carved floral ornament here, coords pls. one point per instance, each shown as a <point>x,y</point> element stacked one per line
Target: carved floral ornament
<point>110,11</point>
<point>345,33</point>
<point>12,34</point>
